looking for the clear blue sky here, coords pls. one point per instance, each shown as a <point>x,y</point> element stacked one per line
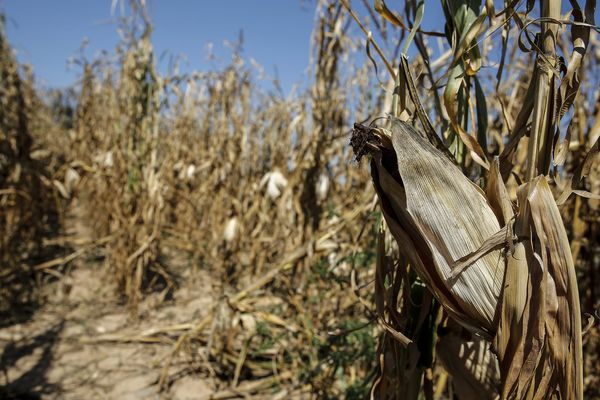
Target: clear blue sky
<point>46,33</point>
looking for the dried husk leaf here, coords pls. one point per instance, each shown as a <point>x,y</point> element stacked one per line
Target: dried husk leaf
<point>580,36</point>
<point>539,330</point>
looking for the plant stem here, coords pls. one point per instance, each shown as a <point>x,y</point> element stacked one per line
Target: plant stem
<point>540,140</point>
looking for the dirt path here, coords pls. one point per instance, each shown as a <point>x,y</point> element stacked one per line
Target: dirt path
<point>65,350</point>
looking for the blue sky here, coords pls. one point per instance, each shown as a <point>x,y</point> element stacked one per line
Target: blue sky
<point>46,33</point>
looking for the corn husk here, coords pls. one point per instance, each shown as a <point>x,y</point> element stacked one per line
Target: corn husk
<point>437,216</point>
<point>538,338</point>
<point>275,183</point>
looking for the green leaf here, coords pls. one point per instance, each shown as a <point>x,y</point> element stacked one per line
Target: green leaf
<point>413,31</point>
<point>482,114</point>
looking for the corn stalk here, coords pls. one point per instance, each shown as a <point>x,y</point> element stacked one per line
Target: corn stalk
<point>503,271</point>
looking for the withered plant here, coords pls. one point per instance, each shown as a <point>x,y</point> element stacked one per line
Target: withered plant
<point>500,266</point>
<point>448,268</point>
<point>30,204</point>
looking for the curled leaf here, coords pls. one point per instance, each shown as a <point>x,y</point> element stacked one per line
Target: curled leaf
<point>453,87</point>
<point>386,13</point>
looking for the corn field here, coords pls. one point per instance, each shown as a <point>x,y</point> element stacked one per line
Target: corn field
<point>421,221</point>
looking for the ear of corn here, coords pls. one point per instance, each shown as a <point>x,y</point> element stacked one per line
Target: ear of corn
<point>419,188</point>
<point>522,293</point>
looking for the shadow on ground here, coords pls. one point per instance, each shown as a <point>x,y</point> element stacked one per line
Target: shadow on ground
<point>30,359</point>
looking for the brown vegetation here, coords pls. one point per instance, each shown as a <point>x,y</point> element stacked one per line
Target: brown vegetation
<point>206,184</point>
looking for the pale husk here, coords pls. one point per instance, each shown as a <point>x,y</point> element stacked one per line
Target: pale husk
<point>538,339</point>
<point>417,203</point>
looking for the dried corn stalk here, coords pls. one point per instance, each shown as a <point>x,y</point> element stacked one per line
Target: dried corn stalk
<point>519,291</point>
<point>29,206</point>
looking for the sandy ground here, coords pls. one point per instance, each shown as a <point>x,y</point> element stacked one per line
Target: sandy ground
<point>75,347</point>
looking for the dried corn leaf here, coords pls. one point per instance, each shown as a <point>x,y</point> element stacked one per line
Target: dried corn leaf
<point>586,165</point>
<point>386,13</point>
<point>498,195</point>
<point>453,87</point>
<point>565,341</point>
<point>580,36</point>
<point>407,81</point>
<point>467,47</point>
